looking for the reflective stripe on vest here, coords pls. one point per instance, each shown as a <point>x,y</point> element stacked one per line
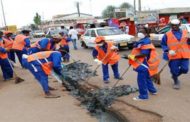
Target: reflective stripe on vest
<point>2,55</point>
<point>153,62</point>
<point>8,43</point>
<point>47,67</point>
<point>111,57</point>
<point>19,42</point>
<point>180,47</point>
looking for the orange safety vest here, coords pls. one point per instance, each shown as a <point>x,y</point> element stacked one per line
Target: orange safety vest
<point>46,67</point>
<point>36,44</point>
<point>180,47</point>
<point>8,43</point>
<point>111,57</point>
<point>19,42</point>
<point>2,55</point>
<point>153,62</point>
<point>63,42</point>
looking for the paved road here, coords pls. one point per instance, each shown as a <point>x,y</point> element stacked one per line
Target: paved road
<point>24,102</point>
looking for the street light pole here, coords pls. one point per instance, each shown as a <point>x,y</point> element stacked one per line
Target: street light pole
<point>135,7</point>
<point>3,14</point>
<point>139,5</point>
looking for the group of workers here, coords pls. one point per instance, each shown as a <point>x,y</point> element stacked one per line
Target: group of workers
<point>145,60</point>
<point>45,56</point>
<point>40,58</point>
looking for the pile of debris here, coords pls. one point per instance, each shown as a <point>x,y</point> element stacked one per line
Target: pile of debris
<point>74,75</point>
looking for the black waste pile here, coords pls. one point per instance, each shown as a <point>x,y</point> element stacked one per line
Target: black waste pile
<point>73,78</point>
<point>104,97</point>
<point>76,73</point>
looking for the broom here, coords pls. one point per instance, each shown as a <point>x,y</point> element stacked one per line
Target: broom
<point>17,78</point>
<point>156,78</point>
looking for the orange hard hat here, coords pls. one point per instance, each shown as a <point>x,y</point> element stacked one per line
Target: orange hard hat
<point>7,32</point>
<point>99,39</point>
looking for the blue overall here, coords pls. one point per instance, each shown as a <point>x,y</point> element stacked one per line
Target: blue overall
<point>24,51</point>
<point>105,69</point>
<point>43,46</point>
<point>39,74</point>
<point>5,65</point>
<point>177,66</point>
<point>66,48</point>
<point>143,78</point>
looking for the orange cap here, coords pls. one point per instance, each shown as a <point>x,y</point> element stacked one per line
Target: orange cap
<point>99,39</point>
<point>7,32</point>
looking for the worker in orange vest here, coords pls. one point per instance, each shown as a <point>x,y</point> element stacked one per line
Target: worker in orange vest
<point>145,61</point>
<point>105,53</point>
<point>175,45</point>
<point>21,44</point>
<point>41,65</point>
<point>4,62</point>
<point>45,44</point>
<point>64,46</point>
<point>8,43</point>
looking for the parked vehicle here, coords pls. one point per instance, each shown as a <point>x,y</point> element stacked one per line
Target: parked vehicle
<point>111,34</point>
<point>38,34</point>
<point>52,32</point>
<point>157,37</point>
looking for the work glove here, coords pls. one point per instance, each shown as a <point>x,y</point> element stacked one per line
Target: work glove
<point>172,52</point>
<point>114,48</point>
<point>24,56</point>
<point>98,61</point>
<point>131,57</point>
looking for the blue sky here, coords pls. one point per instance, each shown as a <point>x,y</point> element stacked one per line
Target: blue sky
<point>21,12</point>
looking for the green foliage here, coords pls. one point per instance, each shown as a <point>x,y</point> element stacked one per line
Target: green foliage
<point>109,12</point>
<point>37,19</point>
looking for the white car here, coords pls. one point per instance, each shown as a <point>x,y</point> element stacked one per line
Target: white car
<point>157,37</point>
<point>111,34</point>
<point>38,34</point>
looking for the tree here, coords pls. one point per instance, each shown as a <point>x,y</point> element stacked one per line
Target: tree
<point>33,27</point>
<point>109,12</point>
<point>126,6</point>
<point>37,19</point>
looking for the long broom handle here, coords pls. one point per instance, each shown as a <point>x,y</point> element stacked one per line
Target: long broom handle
<point>12,67</point>
<point>122,76</point>
<point>162,69</point>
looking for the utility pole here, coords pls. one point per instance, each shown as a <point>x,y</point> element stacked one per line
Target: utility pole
<point>135,7</point>
<point>78,8</point>
<point>3,14</point>
<point>139,5</point>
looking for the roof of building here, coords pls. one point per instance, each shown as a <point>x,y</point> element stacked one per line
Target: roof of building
<point>174,10</point>
<point>65,15</point>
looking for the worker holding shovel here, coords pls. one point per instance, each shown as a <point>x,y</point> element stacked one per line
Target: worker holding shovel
<point>41,65</point>
<point>105,53</point>
<point>175,45</point>
<point>4,62</point>
<point>145,61</point>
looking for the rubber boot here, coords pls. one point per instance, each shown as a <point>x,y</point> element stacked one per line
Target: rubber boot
<point>176,83</point>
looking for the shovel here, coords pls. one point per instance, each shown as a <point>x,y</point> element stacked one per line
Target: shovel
<point>122,76</point>
<point>156,77</point>
<point>17,78</point>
